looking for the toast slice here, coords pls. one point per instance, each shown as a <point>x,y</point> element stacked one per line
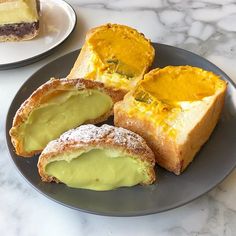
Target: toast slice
<point>116,55</point>
<point>57,106</point>
<point>175,109</point>
<point>97,158</point>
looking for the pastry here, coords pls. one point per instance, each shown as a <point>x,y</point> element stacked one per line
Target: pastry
<point>19,19</point>
<point>97,158</point>
<point>116,55</point>
<point>175,109</point>
<point>57,106</point>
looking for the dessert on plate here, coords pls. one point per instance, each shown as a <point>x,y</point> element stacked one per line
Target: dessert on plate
<point>97,158</point>
<point>175,109</point>
<point>116,55</point>
<point>19,19</point>
<point>164,116</point>
<point>57,106</point>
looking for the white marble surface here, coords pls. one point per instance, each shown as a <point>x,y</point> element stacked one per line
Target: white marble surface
<point>207,27</point>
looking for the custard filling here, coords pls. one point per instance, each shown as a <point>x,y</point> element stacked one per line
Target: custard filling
<point>63,111</point>
<point>18,11</point>
<point>165,93</point>
<point>119,55</point>
<point>97,169</point>
<point>120,52</point>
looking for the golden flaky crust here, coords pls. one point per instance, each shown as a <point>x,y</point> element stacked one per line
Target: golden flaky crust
<point>87,137</point>
<point>169,154</point>
<point>42,94</point>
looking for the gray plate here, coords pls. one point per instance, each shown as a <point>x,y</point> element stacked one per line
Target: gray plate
<point>212,164</point>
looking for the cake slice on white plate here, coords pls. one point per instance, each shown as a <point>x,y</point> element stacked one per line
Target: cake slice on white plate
<point>19,19</point>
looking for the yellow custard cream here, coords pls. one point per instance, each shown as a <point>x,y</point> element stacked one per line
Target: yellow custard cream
<point>65,111</point>
<point>18,11</point>
<point>97,169</point>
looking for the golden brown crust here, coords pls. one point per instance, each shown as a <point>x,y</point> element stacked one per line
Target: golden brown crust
<point>169,154</point>
<point>88,137</point>
<point>43,93</point>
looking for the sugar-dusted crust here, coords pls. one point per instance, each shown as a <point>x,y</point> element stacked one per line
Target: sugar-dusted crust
<point>43,93</point>
<point>87,137</point>
<point>169,154</point>
<point>81,68</point>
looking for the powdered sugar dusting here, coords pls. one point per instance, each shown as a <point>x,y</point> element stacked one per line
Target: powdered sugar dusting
<point>86,134</point>
<point>51,146</point>
<point>80,84</point>
<point>125,137</point>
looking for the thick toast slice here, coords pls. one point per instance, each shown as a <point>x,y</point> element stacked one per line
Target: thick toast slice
<point>175,109</point>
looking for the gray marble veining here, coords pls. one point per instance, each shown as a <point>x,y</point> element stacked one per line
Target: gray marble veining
<point>207,27</point>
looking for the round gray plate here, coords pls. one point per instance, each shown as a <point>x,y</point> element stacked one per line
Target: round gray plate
<point>211,165</point>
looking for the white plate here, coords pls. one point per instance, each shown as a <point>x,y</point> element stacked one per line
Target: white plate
<point>57,21</point>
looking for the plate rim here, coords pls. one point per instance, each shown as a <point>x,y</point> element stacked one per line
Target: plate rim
<point>38,57</point>
<point>106,213</point>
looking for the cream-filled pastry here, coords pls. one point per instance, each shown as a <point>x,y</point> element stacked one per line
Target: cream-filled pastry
<point>97,158</point>
<point>57,106</point>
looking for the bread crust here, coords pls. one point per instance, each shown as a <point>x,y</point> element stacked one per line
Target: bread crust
<point>40,95</point>
<point>170,155</point>
<point>87,137</point>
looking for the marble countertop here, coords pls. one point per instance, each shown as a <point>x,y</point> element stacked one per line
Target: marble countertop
<point>205,27</point>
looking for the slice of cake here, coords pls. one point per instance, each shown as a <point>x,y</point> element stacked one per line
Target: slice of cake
<point>19,19</point>
<point>175,109</point>
<point>116,55</point>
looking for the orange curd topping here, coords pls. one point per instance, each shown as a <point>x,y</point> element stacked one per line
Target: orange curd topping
<point>159,95</point>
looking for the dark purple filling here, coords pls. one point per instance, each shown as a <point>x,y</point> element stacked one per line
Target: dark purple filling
<point>19,29</point>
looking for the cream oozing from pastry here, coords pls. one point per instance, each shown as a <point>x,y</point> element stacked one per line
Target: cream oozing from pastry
<point>97,169</point>
<point>62,112</point>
